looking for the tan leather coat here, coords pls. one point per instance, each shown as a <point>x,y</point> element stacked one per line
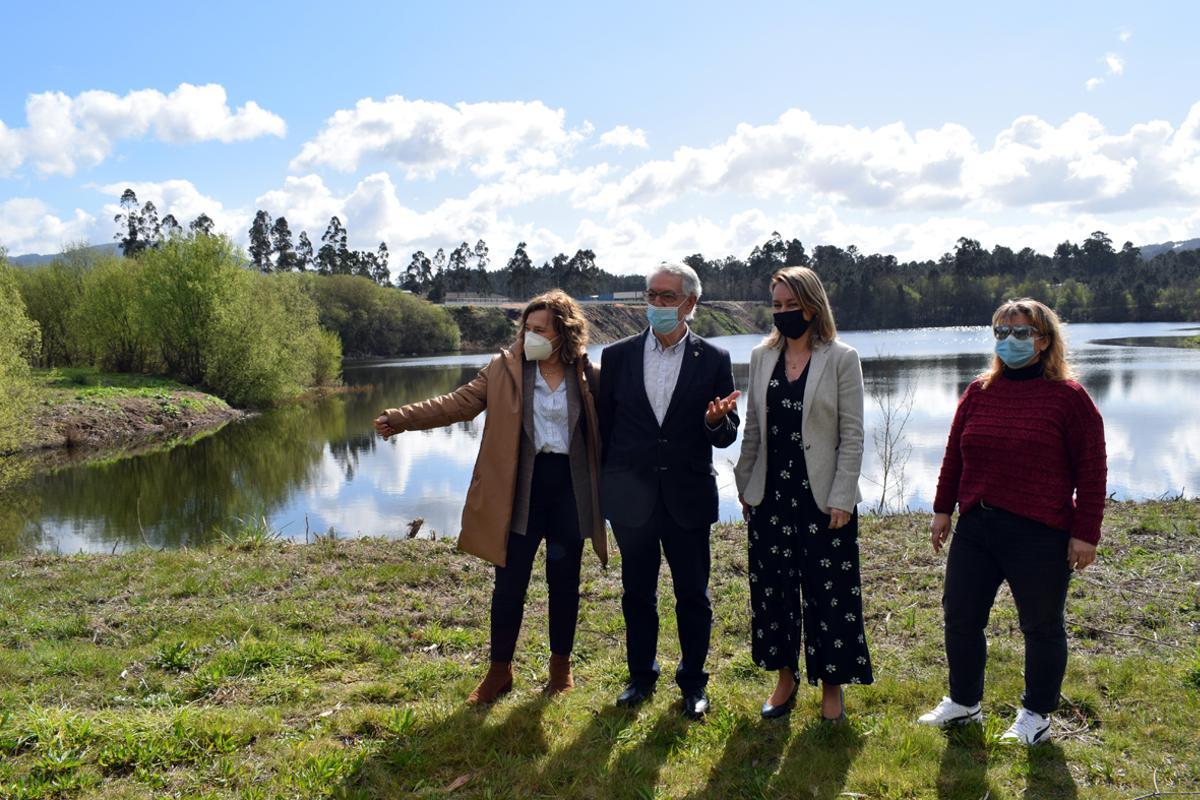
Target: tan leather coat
<point>498,390</point>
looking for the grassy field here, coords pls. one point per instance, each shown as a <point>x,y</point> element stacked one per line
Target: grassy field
<point>257,669</point>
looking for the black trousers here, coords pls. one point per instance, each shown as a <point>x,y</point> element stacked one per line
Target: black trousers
<point>687,552</point>
<point>990,546</point>
<point>553,517</point>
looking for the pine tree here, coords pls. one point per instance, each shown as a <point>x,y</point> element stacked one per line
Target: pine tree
<point>304,253</point>
<point>281,242</point>
<point>333,258</point>
<point>379,269</point>
<point>131,224</point>
<point>202,225</point>
<point>260,242</point>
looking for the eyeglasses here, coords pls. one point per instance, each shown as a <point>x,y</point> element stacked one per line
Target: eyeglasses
<point>669,298</point>
<point>1018,332</point>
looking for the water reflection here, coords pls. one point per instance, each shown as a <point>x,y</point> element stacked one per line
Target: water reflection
<point>319,467</point>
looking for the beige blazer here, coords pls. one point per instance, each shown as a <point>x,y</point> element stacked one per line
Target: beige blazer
<point>831,426</point>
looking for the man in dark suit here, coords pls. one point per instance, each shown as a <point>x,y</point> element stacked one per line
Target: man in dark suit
<point>666,399</point>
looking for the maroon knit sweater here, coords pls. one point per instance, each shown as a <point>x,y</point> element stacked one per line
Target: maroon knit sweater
<point>1034,447</point>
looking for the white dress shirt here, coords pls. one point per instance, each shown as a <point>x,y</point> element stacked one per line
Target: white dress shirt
<point>550,416</point>
<point>661,365</point>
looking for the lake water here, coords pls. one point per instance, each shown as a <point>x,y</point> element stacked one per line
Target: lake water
<point>307,470</point>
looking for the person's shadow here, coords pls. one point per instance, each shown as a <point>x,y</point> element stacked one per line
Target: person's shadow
<point>635,773</point>
<point>749,761</point>
<point>963,769</point>
<point>818,761</point>
<point>584,762</point>
<point>431,753</point>
<point>1048,775</point>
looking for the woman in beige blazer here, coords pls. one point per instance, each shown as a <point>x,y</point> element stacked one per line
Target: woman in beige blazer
<point>797,480</point>
<point>535,477</point>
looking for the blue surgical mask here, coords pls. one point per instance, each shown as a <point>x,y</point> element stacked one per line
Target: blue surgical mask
<point>1015,352</point>
<point>663,320</point>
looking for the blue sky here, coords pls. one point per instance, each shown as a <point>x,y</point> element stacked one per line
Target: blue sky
<point>642,130</point>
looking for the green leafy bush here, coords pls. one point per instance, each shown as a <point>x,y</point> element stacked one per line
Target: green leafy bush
<point>373,320</point>
<point>19,341</point>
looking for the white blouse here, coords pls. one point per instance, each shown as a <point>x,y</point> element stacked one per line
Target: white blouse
<point>550,416</point>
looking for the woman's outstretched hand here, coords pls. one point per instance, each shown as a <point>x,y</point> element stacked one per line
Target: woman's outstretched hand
<point>381,425</point>
<point>718,407</point>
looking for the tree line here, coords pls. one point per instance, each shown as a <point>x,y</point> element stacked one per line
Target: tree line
<point>1089,281</point>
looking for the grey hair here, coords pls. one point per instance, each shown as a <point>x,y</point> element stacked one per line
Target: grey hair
<point>691,281</point>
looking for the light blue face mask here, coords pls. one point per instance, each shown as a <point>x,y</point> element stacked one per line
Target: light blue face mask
<point>663,320</point>
<point>1015,352</point>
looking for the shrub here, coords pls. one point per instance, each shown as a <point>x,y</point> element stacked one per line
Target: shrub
<point>184,284</point>
<point>52,294</point>
<point>373,320</point>
<point>486,328</point>
<point>19,341</point>
<point>112,323</point>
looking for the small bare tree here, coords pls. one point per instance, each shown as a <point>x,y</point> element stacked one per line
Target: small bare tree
<point>891,445</point>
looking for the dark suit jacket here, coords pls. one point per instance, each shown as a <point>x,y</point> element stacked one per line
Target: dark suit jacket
<point>643,461</point>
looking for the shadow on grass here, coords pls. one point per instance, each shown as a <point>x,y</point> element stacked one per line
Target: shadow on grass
<point>583,763</point>
<point>441,751</point>
<point>963,770</point>
<point>749,761</point>
<point>818,761</point>
<point>635,773</point>
<point>1048,775</point>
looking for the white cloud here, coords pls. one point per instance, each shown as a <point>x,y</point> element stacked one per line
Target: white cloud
<point>1125,36</point>
<point>425,138</point>
<point>1115,64</point>
<point>28,225</point>
<point>1031,164</point>
<point>1093,83</point>
<point>623,136</point>
<point>65,133</point>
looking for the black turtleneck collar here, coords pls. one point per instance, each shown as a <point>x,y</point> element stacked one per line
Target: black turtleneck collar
<point>1028,372</point>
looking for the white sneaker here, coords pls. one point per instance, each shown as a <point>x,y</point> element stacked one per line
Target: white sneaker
<point>1030,728</point>
<point>950,713</point>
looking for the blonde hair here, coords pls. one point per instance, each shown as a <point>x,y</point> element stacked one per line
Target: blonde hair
<point>1045,322</point>
<point>569,322</point>
<point>806,287</point>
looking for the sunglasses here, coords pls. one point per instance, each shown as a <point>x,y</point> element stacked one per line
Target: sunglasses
<point>1018,332</point>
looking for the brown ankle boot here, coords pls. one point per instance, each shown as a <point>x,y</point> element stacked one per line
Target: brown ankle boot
<point>560,675</point>
<point>497,682</point>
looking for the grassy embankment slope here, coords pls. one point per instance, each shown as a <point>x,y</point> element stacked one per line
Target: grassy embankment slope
<point>87,410</point>
<point>257,669</point>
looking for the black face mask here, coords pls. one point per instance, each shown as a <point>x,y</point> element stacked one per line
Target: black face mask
<point>792,324</point>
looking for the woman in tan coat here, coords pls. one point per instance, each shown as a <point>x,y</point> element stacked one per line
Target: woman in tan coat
<point>535,477</point>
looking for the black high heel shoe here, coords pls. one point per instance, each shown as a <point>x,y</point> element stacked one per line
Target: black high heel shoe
<point>840,717</point>
<point>783,709</point>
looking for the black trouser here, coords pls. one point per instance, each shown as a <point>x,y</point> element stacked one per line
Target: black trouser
<point>553,517</point>
<point>990,546</point>
<point>687,552</point>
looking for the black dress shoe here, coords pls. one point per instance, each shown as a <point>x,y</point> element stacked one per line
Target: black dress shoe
<point>783,709</point>
<point>840,717</point>
<point>634,696</point>
<point>695,703</point>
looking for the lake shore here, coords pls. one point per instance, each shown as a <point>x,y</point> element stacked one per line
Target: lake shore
<point>83,413</point>
<point>256,668</point>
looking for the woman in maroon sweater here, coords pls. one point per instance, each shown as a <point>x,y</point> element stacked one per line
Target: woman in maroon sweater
<point>1025,464</point>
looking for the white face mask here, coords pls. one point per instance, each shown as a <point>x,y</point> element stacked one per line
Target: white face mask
<point>537,347</point>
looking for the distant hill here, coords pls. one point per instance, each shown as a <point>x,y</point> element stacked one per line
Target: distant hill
<point>1149,251</point>
<point>33,259</point>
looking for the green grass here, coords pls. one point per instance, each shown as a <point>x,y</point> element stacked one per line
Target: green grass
<point>90,385</point>
<point>258,669</point>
